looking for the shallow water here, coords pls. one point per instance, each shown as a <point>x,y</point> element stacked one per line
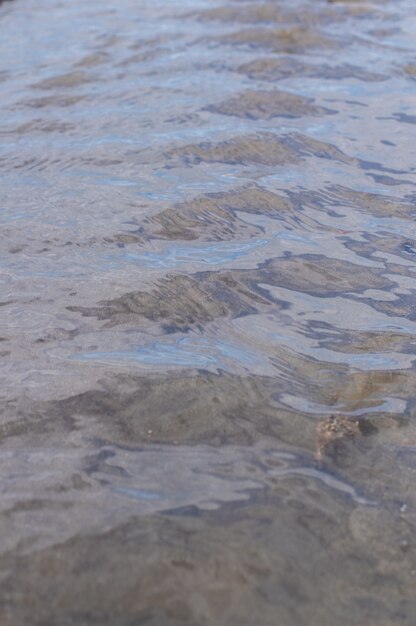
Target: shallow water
<point>207,313</point>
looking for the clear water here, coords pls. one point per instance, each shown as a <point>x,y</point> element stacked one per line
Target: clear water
<point>207,313</point>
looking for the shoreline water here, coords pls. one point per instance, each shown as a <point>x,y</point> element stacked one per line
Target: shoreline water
<point>207,320</point>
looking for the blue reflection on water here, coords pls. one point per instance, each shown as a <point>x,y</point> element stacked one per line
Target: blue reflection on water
<point>186,352</point>
<point>210,254</point>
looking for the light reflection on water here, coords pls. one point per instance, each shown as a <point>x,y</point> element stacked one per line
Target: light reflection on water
<point>216,254</point>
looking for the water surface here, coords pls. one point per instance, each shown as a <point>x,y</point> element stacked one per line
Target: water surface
<point>207,313</point>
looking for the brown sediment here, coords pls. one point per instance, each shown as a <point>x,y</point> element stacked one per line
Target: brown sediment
<point>93,59</point>
<point>124,238</point>
<point>217,409</point>
<point>72,79</point>
<point>202,407</point>
<point>357,342</point>
<point>178,301</point>
<point>215,217</point>
<point>53,101</point>
<point>143,56</point>
<point>148,570</point>
<point>340,197</point>
<point>183,409</point>
<point>308,146</point>
<point>262,148</point>
<point>410,69</point>
<point>246,14</point>
<point>320,276</point>
<point>403,306</point>
<point>290,40</point>
<point>186,408</point>
<point>273,69</point>
<point>269,13</point>
<point>366,392</point>
<point>40,126</point>
<point>266,105</point>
